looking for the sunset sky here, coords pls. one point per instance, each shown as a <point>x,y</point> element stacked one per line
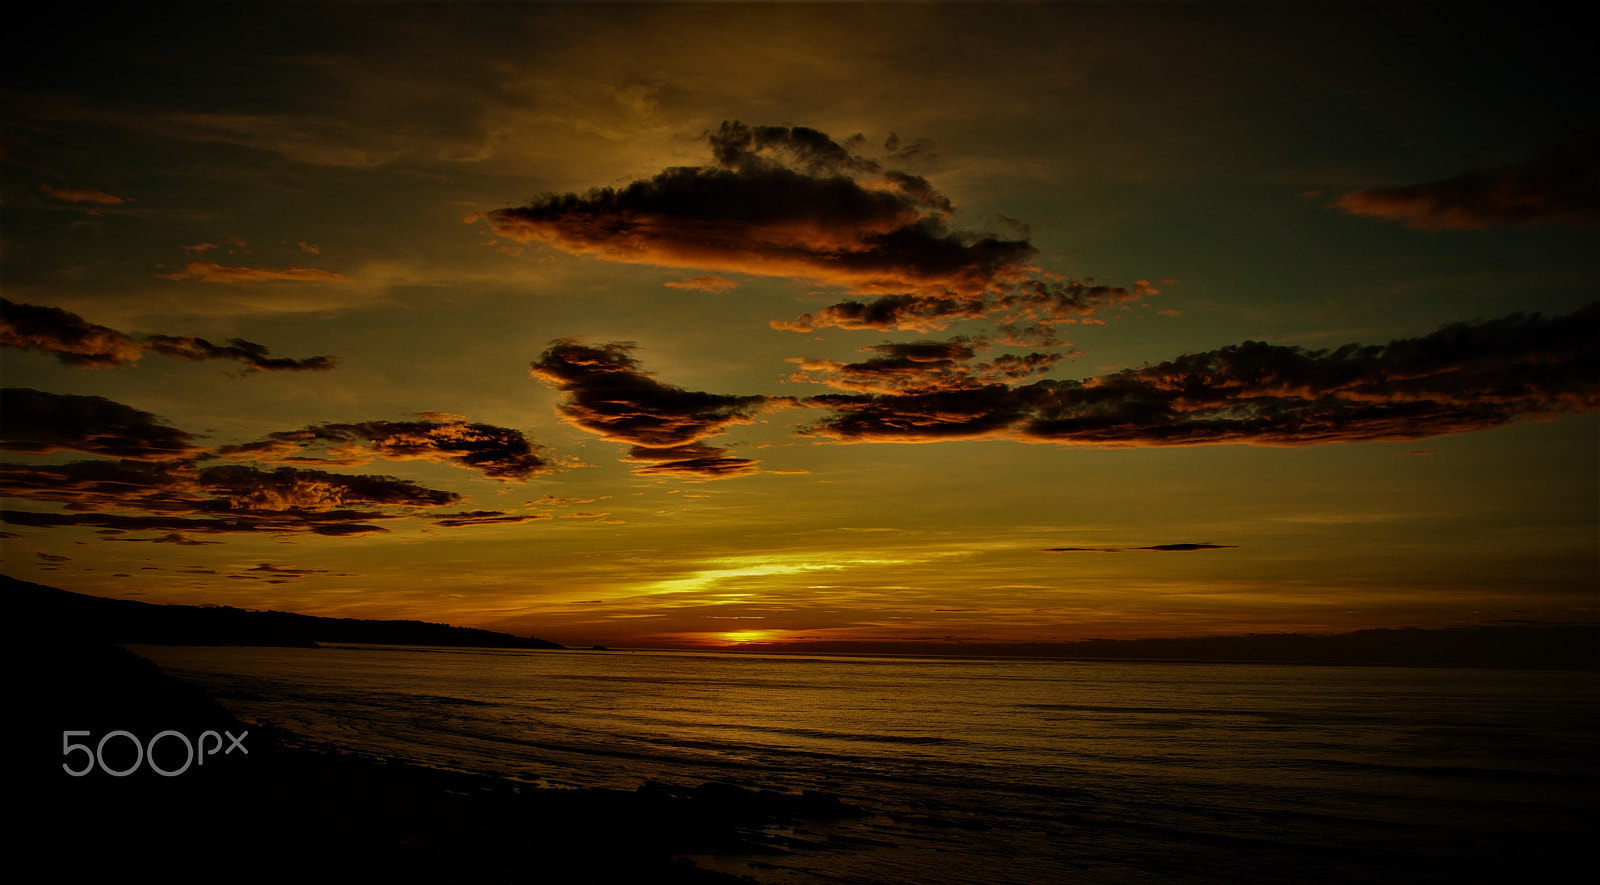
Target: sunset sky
<point>697,324</point>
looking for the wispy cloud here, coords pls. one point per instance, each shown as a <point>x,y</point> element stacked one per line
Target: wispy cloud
<point>486,517</point>
<point>77,342</point>
<point>1152,548</point>
<point>1562,186</point>
<point>81,195</point>
<point>211,272</point>
<point>711,284</point>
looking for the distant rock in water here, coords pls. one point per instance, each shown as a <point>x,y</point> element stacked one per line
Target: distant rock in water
<point>36,608</point>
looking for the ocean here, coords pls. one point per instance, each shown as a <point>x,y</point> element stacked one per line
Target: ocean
<point>999,770</point>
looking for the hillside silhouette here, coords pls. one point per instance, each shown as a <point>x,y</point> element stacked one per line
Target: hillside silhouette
<point>36,607</point>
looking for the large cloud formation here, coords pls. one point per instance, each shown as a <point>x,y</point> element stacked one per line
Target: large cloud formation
<point>1562,186</point>
<point>77,342</point>
<point>607,394</point>
<point>1463,377</point>
<point>792,202</point>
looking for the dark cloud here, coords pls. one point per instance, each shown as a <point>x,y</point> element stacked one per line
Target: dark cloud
<point>990,410</point>
<point>792,202</point>
<point>161,483</point>
<point>180,527</point>
<point>158,487</point>
<point>291,489</point>
<point>253,355</point>
<point>486,517</point>
<point>188,499</point>
<point>778,201</point>
<point>38,422</point>
<point>607,394</point>
<point>1463,377</point>
<point>1158,548</point>
<point>1562,186</point>
<point>168,538</point>
<point>498,452</point>
<point>918,313</point>
<point>1026,313</point>
<point>278,574</point>
<point>78,342</point>
<point>1031,312</point>
<point>925,367</point>
<point>691,461</point>
<point>73,340</point>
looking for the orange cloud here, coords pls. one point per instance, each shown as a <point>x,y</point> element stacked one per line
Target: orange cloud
<point>1560,187</point>
<point>211,272</point>
<point>81,195</point>
<point>712,284</point>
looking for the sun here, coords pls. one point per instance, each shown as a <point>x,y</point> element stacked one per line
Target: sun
<point>740,637</point>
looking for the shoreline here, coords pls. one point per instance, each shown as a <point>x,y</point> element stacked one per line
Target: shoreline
<point>287,806</point>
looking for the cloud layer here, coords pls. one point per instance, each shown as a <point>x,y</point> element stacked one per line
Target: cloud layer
<point>1463,377</point>
<point>78,342</point>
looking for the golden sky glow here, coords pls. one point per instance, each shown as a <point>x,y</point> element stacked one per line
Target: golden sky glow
<point>709,324</point>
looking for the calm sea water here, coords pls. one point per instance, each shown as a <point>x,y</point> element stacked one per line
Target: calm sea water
<point>1001,771</point>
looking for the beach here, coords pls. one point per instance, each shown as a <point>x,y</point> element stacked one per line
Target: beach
<point>490,765</point>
